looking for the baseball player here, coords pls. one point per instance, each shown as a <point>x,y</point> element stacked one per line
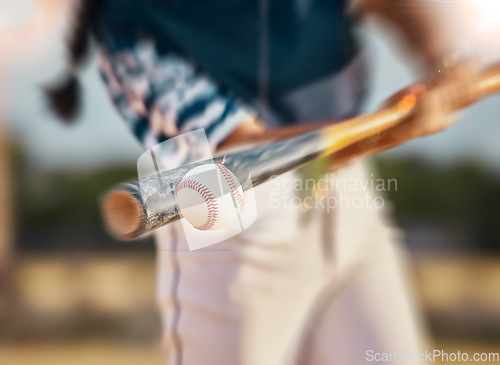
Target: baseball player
<point>305,284</point>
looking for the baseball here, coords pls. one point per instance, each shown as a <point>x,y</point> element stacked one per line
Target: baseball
<point>210,197</point>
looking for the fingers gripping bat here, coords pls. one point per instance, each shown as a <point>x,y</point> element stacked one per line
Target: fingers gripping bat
<point>127,209</point>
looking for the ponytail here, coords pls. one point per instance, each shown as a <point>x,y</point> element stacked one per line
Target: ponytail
<point>64,98</point>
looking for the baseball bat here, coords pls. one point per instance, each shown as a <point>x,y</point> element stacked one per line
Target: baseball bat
<point>136,208</point>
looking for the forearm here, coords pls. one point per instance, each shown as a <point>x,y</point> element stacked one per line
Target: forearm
<point>252,132</point>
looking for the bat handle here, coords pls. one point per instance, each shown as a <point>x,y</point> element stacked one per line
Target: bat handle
<point>489,82</point>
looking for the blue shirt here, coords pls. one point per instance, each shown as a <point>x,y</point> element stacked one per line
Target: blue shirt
<point>207,63</point>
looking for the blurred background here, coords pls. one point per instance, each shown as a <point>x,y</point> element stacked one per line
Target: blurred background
<point>71,294</point>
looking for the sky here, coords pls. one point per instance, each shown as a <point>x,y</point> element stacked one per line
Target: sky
<point>101,138</point>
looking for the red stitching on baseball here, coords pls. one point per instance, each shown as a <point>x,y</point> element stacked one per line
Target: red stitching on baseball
<point>208,196</point>
<point>232,184</point>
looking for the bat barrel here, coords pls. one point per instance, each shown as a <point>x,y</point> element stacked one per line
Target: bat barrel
<point>123,212</point>
<point>133,209</point>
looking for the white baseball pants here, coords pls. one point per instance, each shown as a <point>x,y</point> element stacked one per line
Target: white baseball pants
<point>328,286</point>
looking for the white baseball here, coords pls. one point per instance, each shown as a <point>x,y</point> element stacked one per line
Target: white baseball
<point>210,197</point>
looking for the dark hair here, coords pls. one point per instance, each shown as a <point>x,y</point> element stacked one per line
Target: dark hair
<point>64,98</point>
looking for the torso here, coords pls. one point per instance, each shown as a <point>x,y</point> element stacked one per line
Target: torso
<point>291,44</point>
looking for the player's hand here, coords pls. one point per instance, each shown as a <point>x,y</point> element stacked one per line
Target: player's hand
<point>436,99</point>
